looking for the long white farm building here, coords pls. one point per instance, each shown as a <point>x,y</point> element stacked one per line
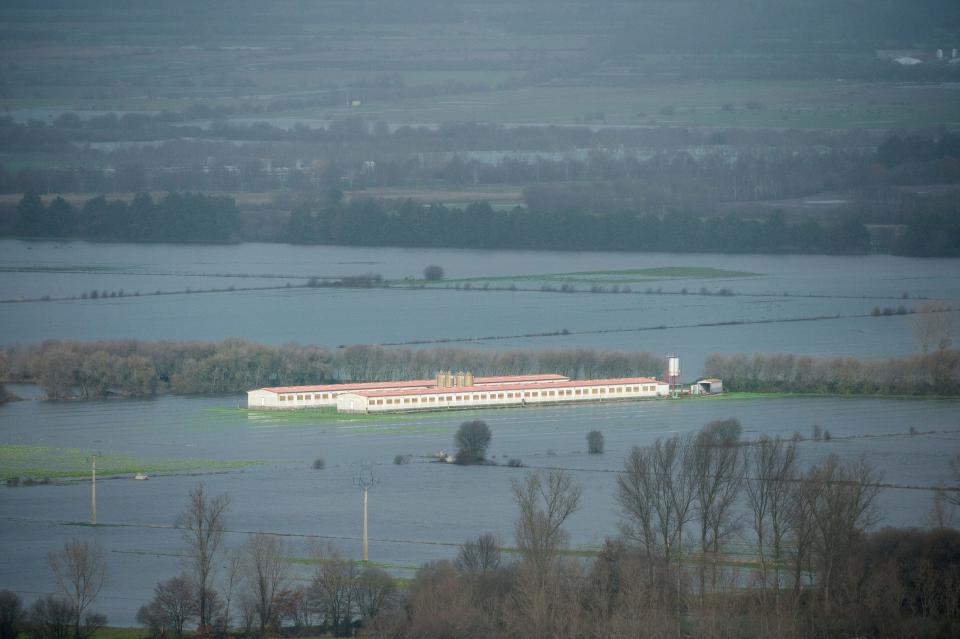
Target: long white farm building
<point>462,390</point>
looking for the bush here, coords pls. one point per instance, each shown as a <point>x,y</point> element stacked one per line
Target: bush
<point>595,442</point>
<point>319,464</point>
<point>400,460</point>
<point>515,463</point>
<point>13,482</point>
<point>433,273</point>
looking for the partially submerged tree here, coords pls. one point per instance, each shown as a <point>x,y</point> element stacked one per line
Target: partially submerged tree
<point>81,571</point>
<point>203,523</point>
<point>472,439</point>
<point>595,442</point>
<point>545,501</point>
<point>433,272</point>
<point>265,574</point>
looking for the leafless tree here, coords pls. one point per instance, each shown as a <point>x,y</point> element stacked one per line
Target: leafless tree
<point>376,592</point>
<point>656,491</point>
<point>174,604</point>
<point>265,574</point>
<point>771,466</point>
<point>717,467</point>
<point>842,509</point>
<point>931,325</point>
<point>203,523</point>
<point>546,501</point>
<point>51,617</point>
<point>11,614</point>
<point>479,555</point>
<point>333,587</point>
<point>233,567</point>
<point>81,571</point>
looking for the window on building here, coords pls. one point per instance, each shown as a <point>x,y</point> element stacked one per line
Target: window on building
<point>282,398</point>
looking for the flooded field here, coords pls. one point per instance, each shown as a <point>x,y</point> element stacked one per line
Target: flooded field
<point>421,511</point>
<point>818,305</point>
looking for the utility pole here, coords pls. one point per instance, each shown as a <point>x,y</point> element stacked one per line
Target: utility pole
<point>364,479</point>
<point>93,490</point>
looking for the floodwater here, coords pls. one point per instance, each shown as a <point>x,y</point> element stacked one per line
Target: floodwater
<point>841,287</point>
<point>420,511</point>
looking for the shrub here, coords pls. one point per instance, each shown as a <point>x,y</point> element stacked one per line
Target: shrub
<point>319,464</point>
<point>433,273</point>
<point>595,442</point>
<point>515,463</point>
<point>400,460</point>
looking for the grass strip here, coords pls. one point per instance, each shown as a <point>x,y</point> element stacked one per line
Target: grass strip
<point>40,461</point>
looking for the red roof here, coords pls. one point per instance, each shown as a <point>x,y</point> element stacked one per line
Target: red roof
<point>509,387</point>
<point>412,383</point>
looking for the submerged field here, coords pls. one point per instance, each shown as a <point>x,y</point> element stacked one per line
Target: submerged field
<point>419,511</point>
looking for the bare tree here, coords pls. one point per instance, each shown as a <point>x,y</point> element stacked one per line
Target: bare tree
<point>479,555</point>
<point>11,614</point>
<point>931,325</point>
<point>771,465</point>
<point>545,501</point>
<point>233,567</point>
<point>376,591</point>
<point>51,617</point>
<point>718,473</point>
<point>81,571</point>
<point>265,574</point>
<point>203,524</point>
<point>174,604</point>
<point>842,509</point>
<point>656,491</point>
<point>333,587</point>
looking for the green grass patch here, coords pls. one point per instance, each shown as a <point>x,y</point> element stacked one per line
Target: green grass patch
<point>40,461</point>
<point>622,276</point>
<point>119,633</point>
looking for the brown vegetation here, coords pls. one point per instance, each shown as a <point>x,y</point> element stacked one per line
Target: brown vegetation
<point>138,368</point>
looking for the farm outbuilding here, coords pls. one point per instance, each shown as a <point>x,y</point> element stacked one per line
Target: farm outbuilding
<point>708,386</point>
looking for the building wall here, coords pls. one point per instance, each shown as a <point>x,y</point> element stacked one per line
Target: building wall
<point>455,398</point>
<point>262,398</point>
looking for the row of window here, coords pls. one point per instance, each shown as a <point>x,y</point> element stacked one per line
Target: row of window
<point>432,399</point>
<point>308,397</point>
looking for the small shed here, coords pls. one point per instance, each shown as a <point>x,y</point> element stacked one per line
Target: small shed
<point>708,386</point>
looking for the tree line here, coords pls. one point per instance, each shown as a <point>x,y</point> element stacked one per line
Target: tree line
<point>936,373</point>
<point>136,368</point>
<point>142,368</point>
<point>408,223</point>
<point>176,217</point>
